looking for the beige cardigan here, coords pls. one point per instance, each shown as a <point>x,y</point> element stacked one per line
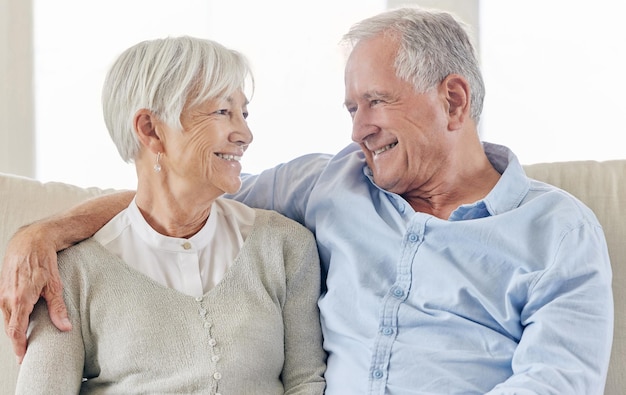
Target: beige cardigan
<point>256,332</point>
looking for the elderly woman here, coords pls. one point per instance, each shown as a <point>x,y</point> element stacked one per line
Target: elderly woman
<point>184,291</point>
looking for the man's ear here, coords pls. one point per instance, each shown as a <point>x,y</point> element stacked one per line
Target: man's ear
<point>145,125</point>
<point>457,92</point>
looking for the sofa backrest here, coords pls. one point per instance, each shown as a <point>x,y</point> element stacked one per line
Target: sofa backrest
<point>601,185</point>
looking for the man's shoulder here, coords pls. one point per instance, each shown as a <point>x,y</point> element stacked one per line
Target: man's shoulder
<point>561,203</point>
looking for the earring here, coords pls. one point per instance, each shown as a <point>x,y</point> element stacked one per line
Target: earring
<point>157,166</point>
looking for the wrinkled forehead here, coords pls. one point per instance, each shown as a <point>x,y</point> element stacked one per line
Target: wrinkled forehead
<point>370,57</point>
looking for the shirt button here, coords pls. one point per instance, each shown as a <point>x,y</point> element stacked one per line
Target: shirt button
<point>212,342</point>
<point>199,299</point>
<point>413,237</point>
<point>215,358</point>
<point>207,325</point>
<point>202,312</point>
<point>186,245</point>
<point>217,375</point>
<point>398,292</point>
<point>387,331</point>
<point>378,374</point>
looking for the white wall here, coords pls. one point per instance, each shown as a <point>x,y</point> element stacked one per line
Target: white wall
<point>552,71</point>
<point>72,56</point>
<point>297,107</point>
<point>17,152</point>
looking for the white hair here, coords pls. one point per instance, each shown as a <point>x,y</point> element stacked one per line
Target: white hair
<point>433,45</point>
<point>164,76</point>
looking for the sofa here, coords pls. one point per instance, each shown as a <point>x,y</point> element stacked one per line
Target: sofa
<point>601,185</point>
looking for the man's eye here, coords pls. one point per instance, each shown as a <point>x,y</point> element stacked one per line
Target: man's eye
<point>222,112</point>
<point>351,110</point>
<point>374,102</point>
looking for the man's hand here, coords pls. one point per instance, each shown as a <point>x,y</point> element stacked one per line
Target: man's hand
<point>30,268</point>
<point>29,271</point>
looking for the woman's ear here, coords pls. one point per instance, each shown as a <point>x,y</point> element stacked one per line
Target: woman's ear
<point>145,124</point>
<point>458,98</point>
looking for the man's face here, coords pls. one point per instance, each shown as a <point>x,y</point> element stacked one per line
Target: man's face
<point>402,133</point>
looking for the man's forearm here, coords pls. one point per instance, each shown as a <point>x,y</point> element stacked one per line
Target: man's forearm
<point>29,269</point>
<point>82,221</point>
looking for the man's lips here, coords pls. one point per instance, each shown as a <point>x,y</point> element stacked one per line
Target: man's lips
<point>385,148</point>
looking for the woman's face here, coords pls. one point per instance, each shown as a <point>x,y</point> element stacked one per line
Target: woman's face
<point>207,152</point>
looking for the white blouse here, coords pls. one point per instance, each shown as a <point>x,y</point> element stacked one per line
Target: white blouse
<point>192,266</point>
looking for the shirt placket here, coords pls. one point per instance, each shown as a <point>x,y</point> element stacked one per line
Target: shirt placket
<point>388,325</point>
<point>189,269</point>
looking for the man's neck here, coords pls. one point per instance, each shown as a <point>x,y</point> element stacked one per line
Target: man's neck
<point>461,185</point>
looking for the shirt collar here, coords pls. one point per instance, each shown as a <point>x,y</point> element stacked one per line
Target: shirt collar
<point>157,240</point>
<point>505,196</point>
<point>513,185</point>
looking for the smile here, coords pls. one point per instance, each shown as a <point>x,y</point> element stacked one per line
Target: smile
<point>385,148</point>
<point>229,157</point>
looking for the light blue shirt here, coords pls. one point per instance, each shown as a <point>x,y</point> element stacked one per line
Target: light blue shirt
<point>512,294</point>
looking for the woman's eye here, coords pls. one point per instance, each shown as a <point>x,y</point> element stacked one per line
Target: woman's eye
<point>245,115</point>
<point>222,112</point>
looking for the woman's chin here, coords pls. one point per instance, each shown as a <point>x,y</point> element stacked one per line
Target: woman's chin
<point>232,188</point>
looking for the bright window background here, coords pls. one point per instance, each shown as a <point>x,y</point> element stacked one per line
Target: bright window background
<point>297,107</point>
<point>553,71</point>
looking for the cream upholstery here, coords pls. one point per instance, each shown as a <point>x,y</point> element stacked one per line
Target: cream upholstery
<point>601,185</point>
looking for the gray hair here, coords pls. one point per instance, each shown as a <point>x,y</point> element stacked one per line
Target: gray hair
<point>433,45</point>
<point>164,76</point>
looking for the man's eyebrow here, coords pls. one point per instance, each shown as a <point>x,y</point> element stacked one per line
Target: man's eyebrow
<point>377,95</point>
<point>370,95</point>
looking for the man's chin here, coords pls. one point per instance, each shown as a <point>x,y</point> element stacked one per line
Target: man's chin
<point>383,182</point>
